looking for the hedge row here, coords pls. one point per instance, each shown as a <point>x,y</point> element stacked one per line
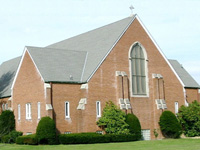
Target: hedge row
<point>80,138</point>
<point>90,138</point>
<point>27,139</point>
<point>11,137</point>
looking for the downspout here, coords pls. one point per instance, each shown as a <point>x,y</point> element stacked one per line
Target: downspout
<point>164,89</point>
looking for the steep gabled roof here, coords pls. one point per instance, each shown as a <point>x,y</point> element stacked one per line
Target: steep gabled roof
<point>98,43</point>
<point>7,73</point>
<point>59,65</point>
<point>186,78</point>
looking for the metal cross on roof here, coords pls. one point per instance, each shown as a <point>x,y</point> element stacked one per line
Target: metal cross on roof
<point>131,8</point>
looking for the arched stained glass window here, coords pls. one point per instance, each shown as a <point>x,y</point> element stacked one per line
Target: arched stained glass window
<point>138,71</point>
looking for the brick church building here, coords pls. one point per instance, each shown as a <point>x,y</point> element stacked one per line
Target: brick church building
<point>71,80</point>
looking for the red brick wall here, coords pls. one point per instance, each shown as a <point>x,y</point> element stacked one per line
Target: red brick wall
<point>192,94</point>
<point>28,88</point>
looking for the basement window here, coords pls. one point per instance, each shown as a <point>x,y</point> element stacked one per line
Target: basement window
<point>99,132</point>
<point>146,134</point>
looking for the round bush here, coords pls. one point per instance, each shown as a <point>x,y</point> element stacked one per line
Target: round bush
<point>46,131</point>
<point>134,125</point>
<point>190,119</point>
<point>169,125</point>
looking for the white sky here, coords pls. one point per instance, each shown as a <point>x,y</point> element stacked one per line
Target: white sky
<point>174,24</point>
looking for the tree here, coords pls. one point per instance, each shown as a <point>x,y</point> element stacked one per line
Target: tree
<point>46,131</point>
<point>134,125</point>
<point>113,120</point>
<point>169,125</point>
<point>189,118</point>
<point>7,122</point>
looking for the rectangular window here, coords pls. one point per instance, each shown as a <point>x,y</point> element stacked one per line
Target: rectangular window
<point>98,108</point>
<point>3,107</point>
<point>176,107</point>
<point>67,112</point>
<point>6,106</point>
<point>19,112</point>
<point>38,105</point>
<point>28,111</point>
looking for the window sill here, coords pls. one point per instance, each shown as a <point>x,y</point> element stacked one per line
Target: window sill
<point>28,119</point>
<point>139,95</point>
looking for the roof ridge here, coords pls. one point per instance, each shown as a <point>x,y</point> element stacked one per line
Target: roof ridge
<point>94,29</point>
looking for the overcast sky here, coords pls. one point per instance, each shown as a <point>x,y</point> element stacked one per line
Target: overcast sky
<point>174,24</point>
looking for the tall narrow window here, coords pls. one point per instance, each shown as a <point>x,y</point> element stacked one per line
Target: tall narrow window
<point>38,105</point>
<point>98,109</point>
<point>67,112</point>
<point>176,107</point>
<point>28,111</point>
<point>19,112</point>
<point>6,106</point>
<point>138,71</point>
<point>3,107</point>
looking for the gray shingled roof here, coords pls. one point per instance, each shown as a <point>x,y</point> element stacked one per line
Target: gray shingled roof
<point>77,57</point>
<point>7,73</point>
<point>97,43</point>
<point>59,64</point>
<point>186,78</point>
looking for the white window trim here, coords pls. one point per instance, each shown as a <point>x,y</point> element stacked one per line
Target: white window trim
<point>146,71</point>
<point>176,107</point>
<point>3,107</point>
<point>39,110</point>
<point>19,111</point>
<point>68,110</point>
<point>6,106</point>
<point>98,109</point>
<point>28,111</point>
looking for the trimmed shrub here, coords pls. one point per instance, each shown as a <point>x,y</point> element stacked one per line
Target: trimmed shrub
<point>46,131</point>
<point>113,120</point>
<point>82,138</point>
<point>11,137</point>
<point>27,139</point>
<point>91,138</point>
<point>122,137</point>
<point>5,139</point>
<point>7,122</point>
<point>169,125</point>
<point>189,118</point>
<point>134,125</point>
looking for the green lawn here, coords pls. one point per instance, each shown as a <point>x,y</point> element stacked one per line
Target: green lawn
<point>177,144</point>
